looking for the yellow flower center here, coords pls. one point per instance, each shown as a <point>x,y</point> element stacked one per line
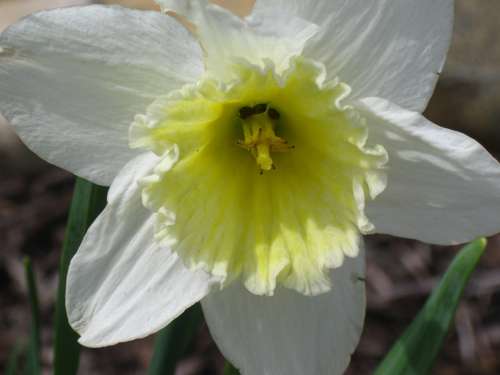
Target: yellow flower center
<point>259,134</point>
<point>262,178</point>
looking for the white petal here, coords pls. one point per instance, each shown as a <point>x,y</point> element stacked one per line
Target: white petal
<point>71,81</point>
<point>393,49</point>
<point>257,39</point>
<point>443,187</point>
<point>13,10</point>
<point>289,333</point>
<point>121,285</point>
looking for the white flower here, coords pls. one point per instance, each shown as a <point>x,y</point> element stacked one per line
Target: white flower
<point>245,157</point>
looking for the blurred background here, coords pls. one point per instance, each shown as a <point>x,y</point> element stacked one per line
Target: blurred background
<point>35,196</point>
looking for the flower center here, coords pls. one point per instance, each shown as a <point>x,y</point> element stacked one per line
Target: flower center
<point>259,123</point>
<point>286,226</point>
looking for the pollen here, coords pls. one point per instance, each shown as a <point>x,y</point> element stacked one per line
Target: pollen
<point>291,223</point>
<point>259,137</point>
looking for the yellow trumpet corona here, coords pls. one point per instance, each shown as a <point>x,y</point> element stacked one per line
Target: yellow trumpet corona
<point>264,176</point>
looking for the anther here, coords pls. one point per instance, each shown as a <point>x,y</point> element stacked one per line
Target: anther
<point>273,114</point>
<point>246,112</point>
<point>259,108</point>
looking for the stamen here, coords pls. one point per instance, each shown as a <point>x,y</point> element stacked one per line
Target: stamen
<point>273,114</point>
<point>259,108</point>
<point>259,136</point>
<point>246,112</point>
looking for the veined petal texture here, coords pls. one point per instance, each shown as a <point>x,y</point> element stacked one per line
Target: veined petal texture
<point>443,187</point>
<point>289,333</point>
<point>71,81</point>
<point>121,284</point>
<point>394,49</point>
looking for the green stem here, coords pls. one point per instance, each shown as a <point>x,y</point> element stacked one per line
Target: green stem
<point>229,369</point>
<point>88,201</point>
<point>33,359</point>
<point>416,351</point>
<point>173,341</point>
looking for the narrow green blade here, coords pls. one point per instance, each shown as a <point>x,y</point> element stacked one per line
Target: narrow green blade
<point>415,352</point>
<point>88,201</point>
<point>229,369</point>
<point>173,341</point>
<point>33,357</point>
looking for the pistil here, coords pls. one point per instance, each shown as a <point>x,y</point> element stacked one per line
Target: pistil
<point>259,135</point>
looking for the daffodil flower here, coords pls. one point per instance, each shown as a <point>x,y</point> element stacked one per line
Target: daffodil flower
<point>247,154</point>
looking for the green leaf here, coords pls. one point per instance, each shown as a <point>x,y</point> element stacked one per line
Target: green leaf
<point>33,357</point>
<point>173,341</point>
<point>88,201</point>
<point>416,351</point>
<point>229,369</point>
